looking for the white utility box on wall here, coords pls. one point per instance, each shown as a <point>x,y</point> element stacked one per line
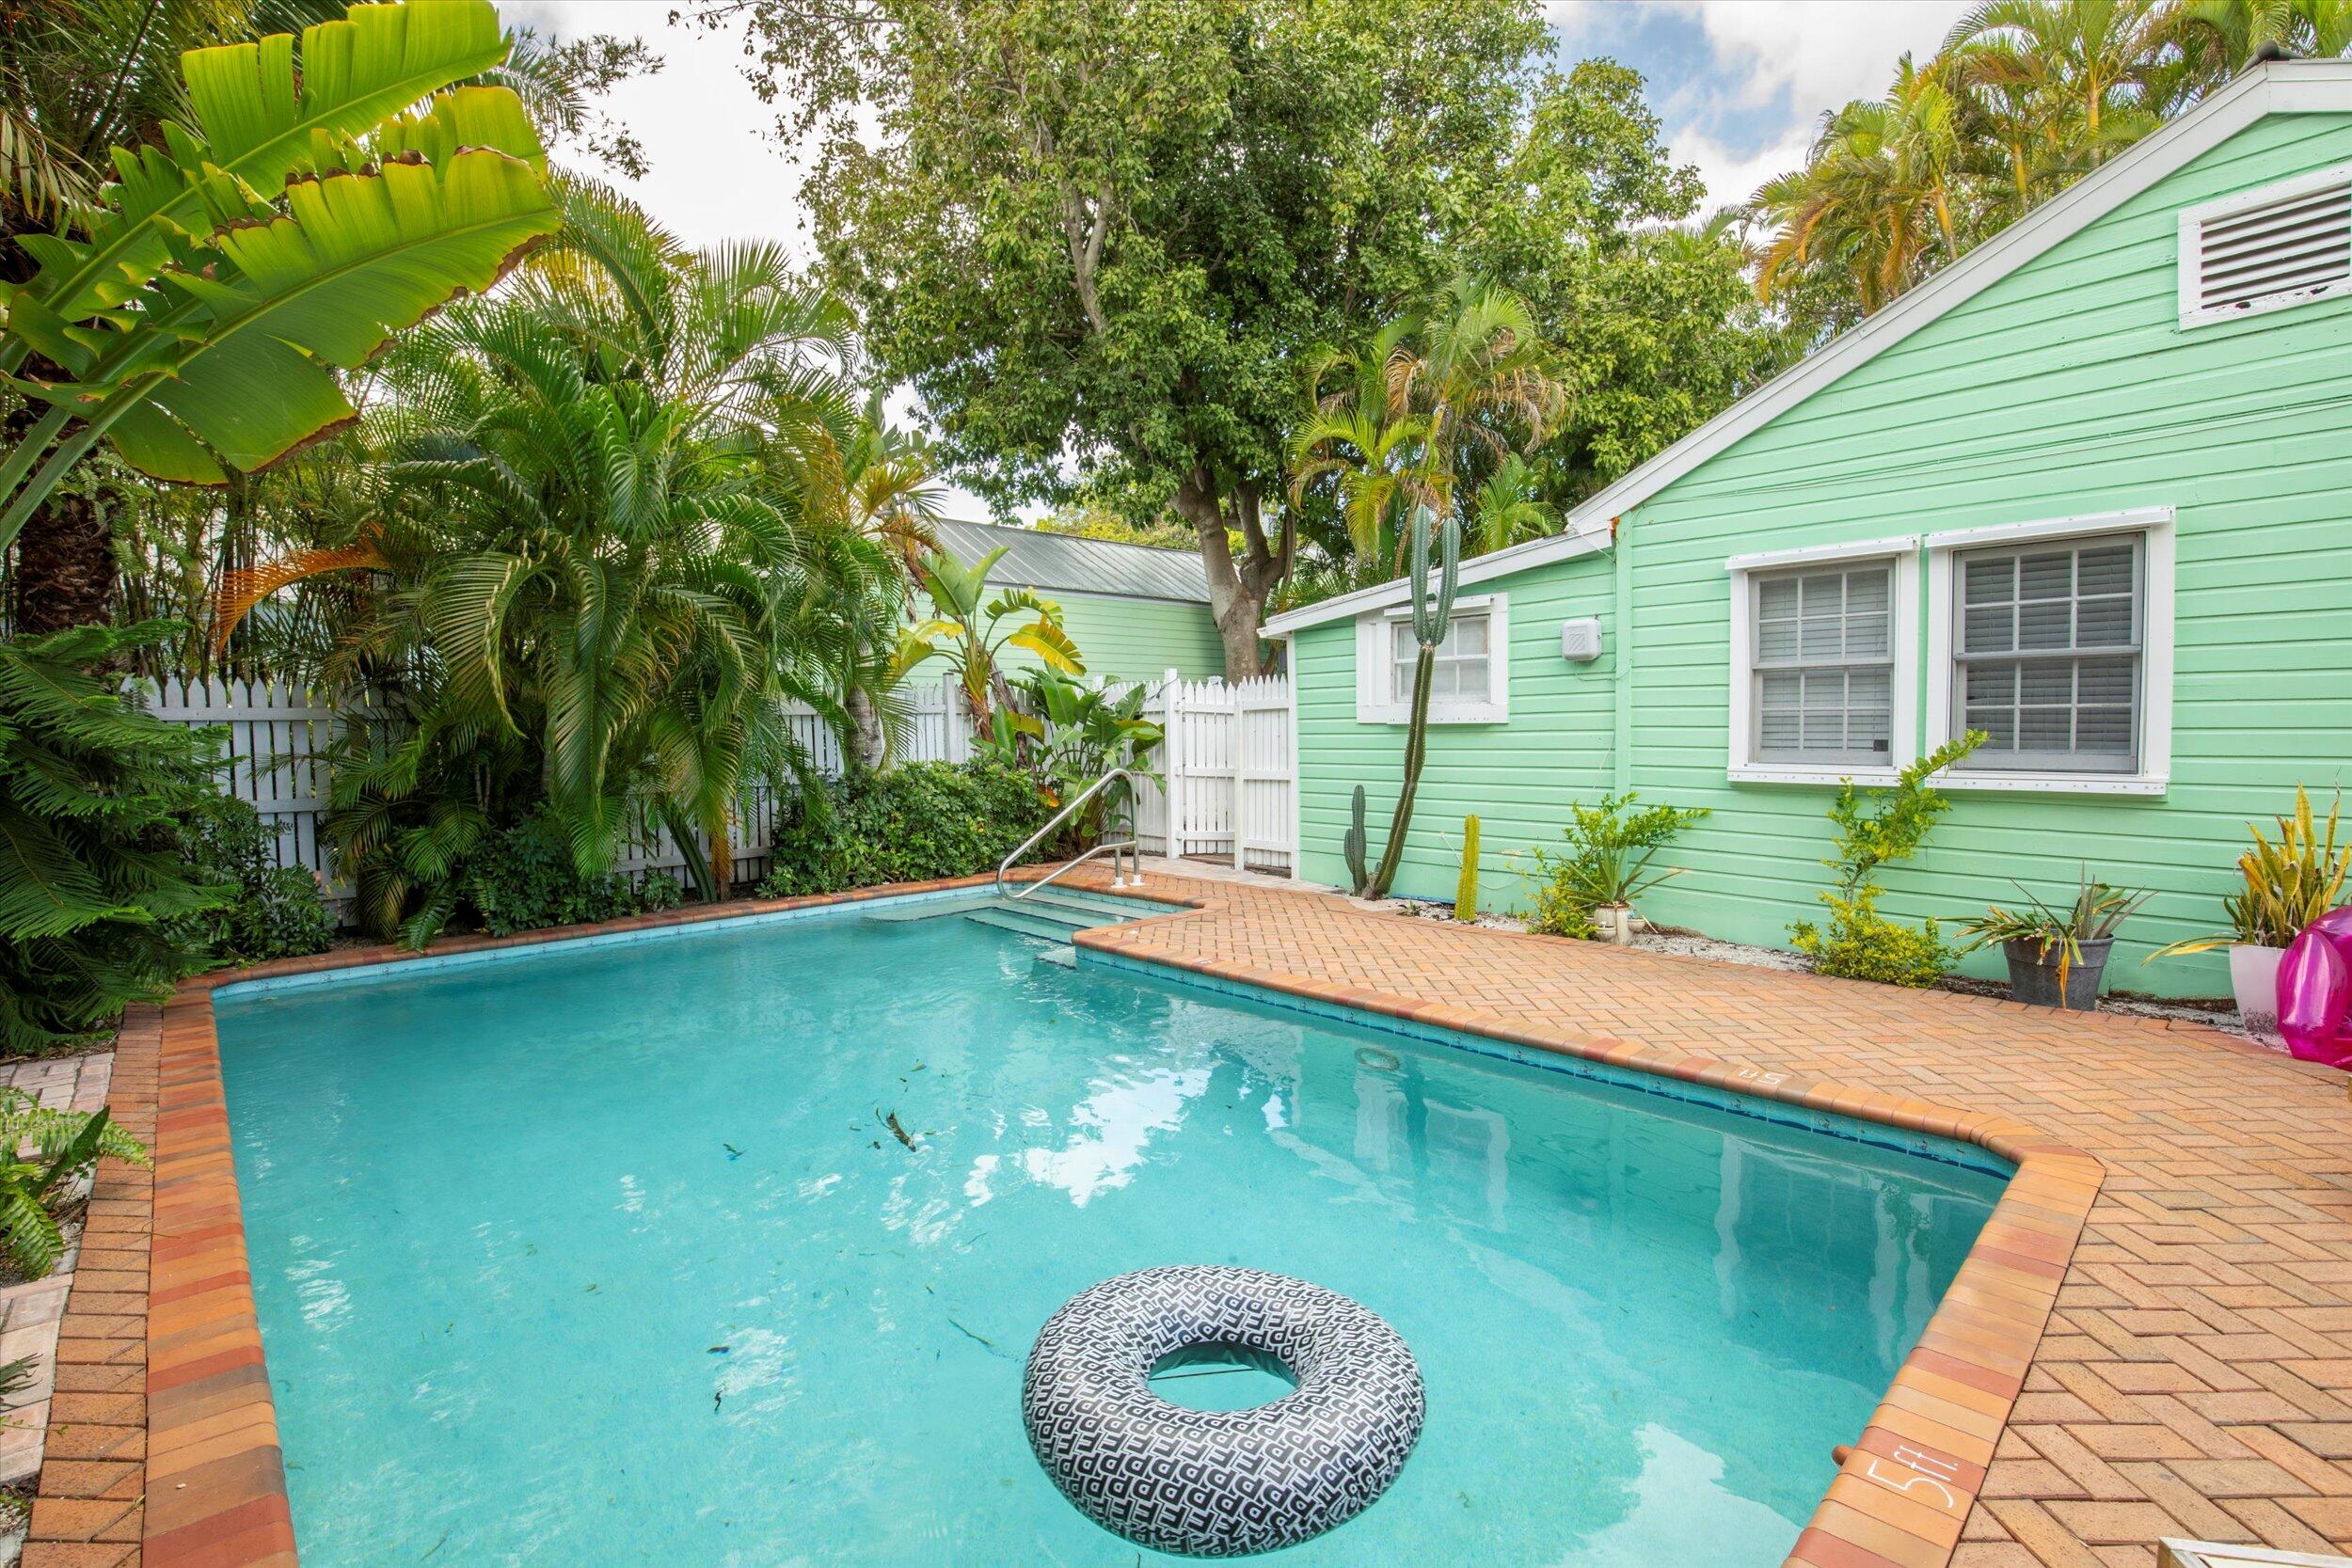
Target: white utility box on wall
<point>1579,639</point>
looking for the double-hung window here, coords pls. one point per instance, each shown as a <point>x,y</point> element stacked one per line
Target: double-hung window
<point>1470,674</point>
<point>1822,666</point>
<point>2046,654</point>
<point>2055,639</point>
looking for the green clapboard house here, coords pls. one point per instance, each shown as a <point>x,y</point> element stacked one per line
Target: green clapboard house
<point>2089,490</point>
<point>1135,613</point>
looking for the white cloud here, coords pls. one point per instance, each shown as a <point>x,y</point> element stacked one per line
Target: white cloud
<point>715,173</point>
<point>1814,55</point>
<point>1771,67</point>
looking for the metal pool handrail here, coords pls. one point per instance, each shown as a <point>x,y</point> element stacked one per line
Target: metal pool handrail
<point>1127,845</point>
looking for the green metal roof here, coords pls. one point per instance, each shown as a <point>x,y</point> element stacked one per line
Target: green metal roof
<point>1058,562</point>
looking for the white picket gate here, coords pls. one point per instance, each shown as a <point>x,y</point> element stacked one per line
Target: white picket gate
<point>1227,761</point>
<point>1230,773</point>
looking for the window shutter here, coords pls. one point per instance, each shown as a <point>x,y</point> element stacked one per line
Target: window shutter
<point>2283,250</point>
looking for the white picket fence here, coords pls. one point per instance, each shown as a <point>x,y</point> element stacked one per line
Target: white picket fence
<point>1230,772</point>
<point>1229,764</point>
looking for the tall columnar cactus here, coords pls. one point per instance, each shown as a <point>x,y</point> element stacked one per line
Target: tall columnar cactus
<point>1432,613</point>
<point>1466,891</point>
<point>1352,846</point>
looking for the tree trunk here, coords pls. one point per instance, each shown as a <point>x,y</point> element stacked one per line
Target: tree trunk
<point>64,573</point>
<point>1237,589</point>
<point>871,744</point>
<point>65,568</point>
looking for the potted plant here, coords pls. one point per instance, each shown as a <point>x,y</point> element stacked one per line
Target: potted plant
<point>1607,865</point>
<point>2287,885</point>
<point>2057,958</point>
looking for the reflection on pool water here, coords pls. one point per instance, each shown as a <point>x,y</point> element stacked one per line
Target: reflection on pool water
<point>609,1255</point>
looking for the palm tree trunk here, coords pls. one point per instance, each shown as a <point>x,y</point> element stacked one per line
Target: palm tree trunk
<point>64,573</point>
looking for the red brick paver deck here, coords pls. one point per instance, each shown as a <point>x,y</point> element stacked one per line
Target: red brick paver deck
<point>2153,1336</point>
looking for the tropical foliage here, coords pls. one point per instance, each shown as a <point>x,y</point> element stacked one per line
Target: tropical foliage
<point>2286,883</point>
<point>266,911</point>
<point>970,629</point>
<point>93,869</point>
<point>65,1145</point>
<point>2024,98</point>
<point>286,227</point>
<point>609,538</point>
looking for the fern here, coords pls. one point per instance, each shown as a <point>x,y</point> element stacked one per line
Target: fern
<point>92,866</point>
<point>67,1144</point>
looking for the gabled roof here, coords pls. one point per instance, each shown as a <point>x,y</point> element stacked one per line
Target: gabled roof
<point>1060,563</point>
<point>2278,86</point>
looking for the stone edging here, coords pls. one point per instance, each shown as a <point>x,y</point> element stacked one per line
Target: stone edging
<point>217,1480</point>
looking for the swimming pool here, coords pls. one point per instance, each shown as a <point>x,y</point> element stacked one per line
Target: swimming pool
<point>604,1253</point>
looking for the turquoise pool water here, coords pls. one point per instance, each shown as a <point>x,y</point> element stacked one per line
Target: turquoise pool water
<point>609,1255</point>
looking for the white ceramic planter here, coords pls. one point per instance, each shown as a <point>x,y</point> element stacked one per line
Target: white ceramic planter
<point>2254,978</point>
<point>1618,923</point>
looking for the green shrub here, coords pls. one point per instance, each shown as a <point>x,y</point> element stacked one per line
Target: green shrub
<point>270,910</point>
<point>1607,862</point>
<point>524,879</point>
<point>913,823</point>
<point>92,791</point>
<point>1873,830</point>
<point>1860,944</point>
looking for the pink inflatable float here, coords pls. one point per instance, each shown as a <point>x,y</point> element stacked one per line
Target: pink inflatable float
<point>2315,990</point>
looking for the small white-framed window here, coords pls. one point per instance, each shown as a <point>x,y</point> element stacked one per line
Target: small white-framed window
<point>2281,244</point>
<point>2055,639</point>
<point>1469,679</point>
<point>1822,662</point>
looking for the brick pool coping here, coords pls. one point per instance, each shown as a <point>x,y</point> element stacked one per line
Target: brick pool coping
<point>175,1462</point>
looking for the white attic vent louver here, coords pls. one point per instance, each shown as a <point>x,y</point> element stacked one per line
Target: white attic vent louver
<point>2283,245</point>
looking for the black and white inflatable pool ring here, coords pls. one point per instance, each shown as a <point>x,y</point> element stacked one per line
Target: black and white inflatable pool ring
<point>1219,1484</point>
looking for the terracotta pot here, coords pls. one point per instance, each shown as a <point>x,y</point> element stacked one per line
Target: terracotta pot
<point>2254,978</point>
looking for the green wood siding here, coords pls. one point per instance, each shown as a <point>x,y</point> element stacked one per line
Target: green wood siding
<point>1516,778</point>
<point>1132,639</point>
<point>2066,388</point>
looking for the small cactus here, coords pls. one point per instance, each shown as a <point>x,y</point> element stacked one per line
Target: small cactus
<point>1353,845</point>
<point>1466,891</point>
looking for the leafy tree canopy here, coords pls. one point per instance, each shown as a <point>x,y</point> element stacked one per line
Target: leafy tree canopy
<point>1104,241</point>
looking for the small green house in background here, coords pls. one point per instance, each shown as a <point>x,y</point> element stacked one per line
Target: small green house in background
<point>2089,490</point>
<point>1135,611</point>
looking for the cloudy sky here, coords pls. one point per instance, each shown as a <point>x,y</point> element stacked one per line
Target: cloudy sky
<point>1739,83</point>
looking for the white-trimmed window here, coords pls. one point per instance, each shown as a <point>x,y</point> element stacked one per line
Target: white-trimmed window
<point>1470,678</point>
<point>2056,640</point>
<point>1821,662</point>
<point>2265,249</point>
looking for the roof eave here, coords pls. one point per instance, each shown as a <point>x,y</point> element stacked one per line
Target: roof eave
<point>1479,568</point>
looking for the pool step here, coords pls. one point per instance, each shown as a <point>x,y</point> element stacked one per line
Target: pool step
<point>1030,921</point>
<point>1066,909</point>
<point>1064,957</point>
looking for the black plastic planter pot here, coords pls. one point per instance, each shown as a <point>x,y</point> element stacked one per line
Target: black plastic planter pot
<point>2033,973</point>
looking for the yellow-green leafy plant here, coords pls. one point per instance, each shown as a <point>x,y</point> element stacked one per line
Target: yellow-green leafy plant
<point>2288,884</point>
<point>1608,861</point>
<point>1857,942</point>
<point>1466,891</point>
